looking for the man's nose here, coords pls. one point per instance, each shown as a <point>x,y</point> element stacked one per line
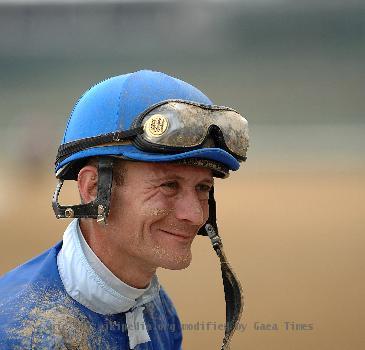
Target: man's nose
<point>189,207</point>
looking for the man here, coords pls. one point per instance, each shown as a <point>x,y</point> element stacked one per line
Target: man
<point>144,148</point>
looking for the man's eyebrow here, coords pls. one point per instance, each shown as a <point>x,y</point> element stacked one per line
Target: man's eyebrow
<point>168,176</point>
<point>179,177</point>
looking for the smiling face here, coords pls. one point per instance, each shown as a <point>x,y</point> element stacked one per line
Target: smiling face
<point>157,211</point>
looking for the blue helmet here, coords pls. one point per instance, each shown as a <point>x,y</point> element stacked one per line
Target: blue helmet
<point>151,117</point>
<point>113,105</point>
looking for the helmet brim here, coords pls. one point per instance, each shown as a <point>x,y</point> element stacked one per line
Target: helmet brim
<point>133,153</point>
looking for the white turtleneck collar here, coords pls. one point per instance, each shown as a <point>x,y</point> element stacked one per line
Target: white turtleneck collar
<point>88,281</point>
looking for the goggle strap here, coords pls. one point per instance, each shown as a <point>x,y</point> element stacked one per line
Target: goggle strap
<point>72,147</point>
<point>97,209</point>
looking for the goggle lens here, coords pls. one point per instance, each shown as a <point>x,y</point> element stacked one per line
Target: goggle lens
<point>178,124</point>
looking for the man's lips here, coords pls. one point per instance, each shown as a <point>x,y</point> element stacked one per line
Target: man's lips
<point>179,235</point>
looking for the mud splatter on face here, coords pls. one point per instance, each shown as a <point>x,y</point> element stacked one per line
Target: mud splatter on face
<point>178,260</point>
<point>175,258</point>
<point>157,212</point>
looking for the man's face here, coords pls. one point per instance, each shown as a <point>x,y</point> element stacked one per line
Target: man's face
<point>156,213</point>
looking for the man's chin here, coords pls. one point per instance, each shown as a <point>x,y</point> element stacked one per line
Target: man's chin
<point>173,260</point>
<point>177,265</point>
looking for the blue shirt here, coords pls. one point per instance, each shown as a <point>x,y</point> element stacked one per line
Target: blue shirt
<point>37,313</point>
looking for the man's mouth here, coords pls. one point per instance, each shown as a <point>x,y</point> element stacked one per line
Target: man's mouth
<point>178,235</point>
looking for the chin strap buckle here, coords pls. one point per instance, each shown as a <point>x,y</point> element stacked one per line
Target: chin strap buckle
<point>213,235</point>
<point>101,218</point>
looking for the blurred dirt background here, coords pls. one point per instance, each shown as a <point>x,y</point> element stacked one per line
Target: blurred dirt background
<point>292,219</point>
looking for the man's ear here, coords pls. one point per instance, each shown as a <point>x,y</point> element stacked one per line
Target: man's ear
<point>87,182</point>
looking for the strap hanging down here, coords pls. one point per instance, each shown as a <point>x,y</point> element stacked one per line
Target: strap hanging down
<point>97,209</point>
<point>232,287</point>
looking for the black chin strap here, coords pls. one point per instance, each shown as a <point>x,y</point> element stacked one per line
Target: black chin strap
<point>232,286</point>
<point>97,209</point>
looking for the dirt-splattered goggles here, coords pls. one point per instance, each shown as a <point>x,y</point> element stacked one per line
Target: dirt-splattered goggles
<point>178,126</point>
<point>175,126</point>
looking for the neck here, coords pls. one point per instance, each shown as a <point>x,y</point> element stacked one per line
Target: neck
<point>125,267</point>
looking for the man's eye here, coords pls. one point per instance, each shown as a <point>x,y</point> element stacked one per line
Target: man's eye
<point>204,188</point>
<point>170,185</point>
